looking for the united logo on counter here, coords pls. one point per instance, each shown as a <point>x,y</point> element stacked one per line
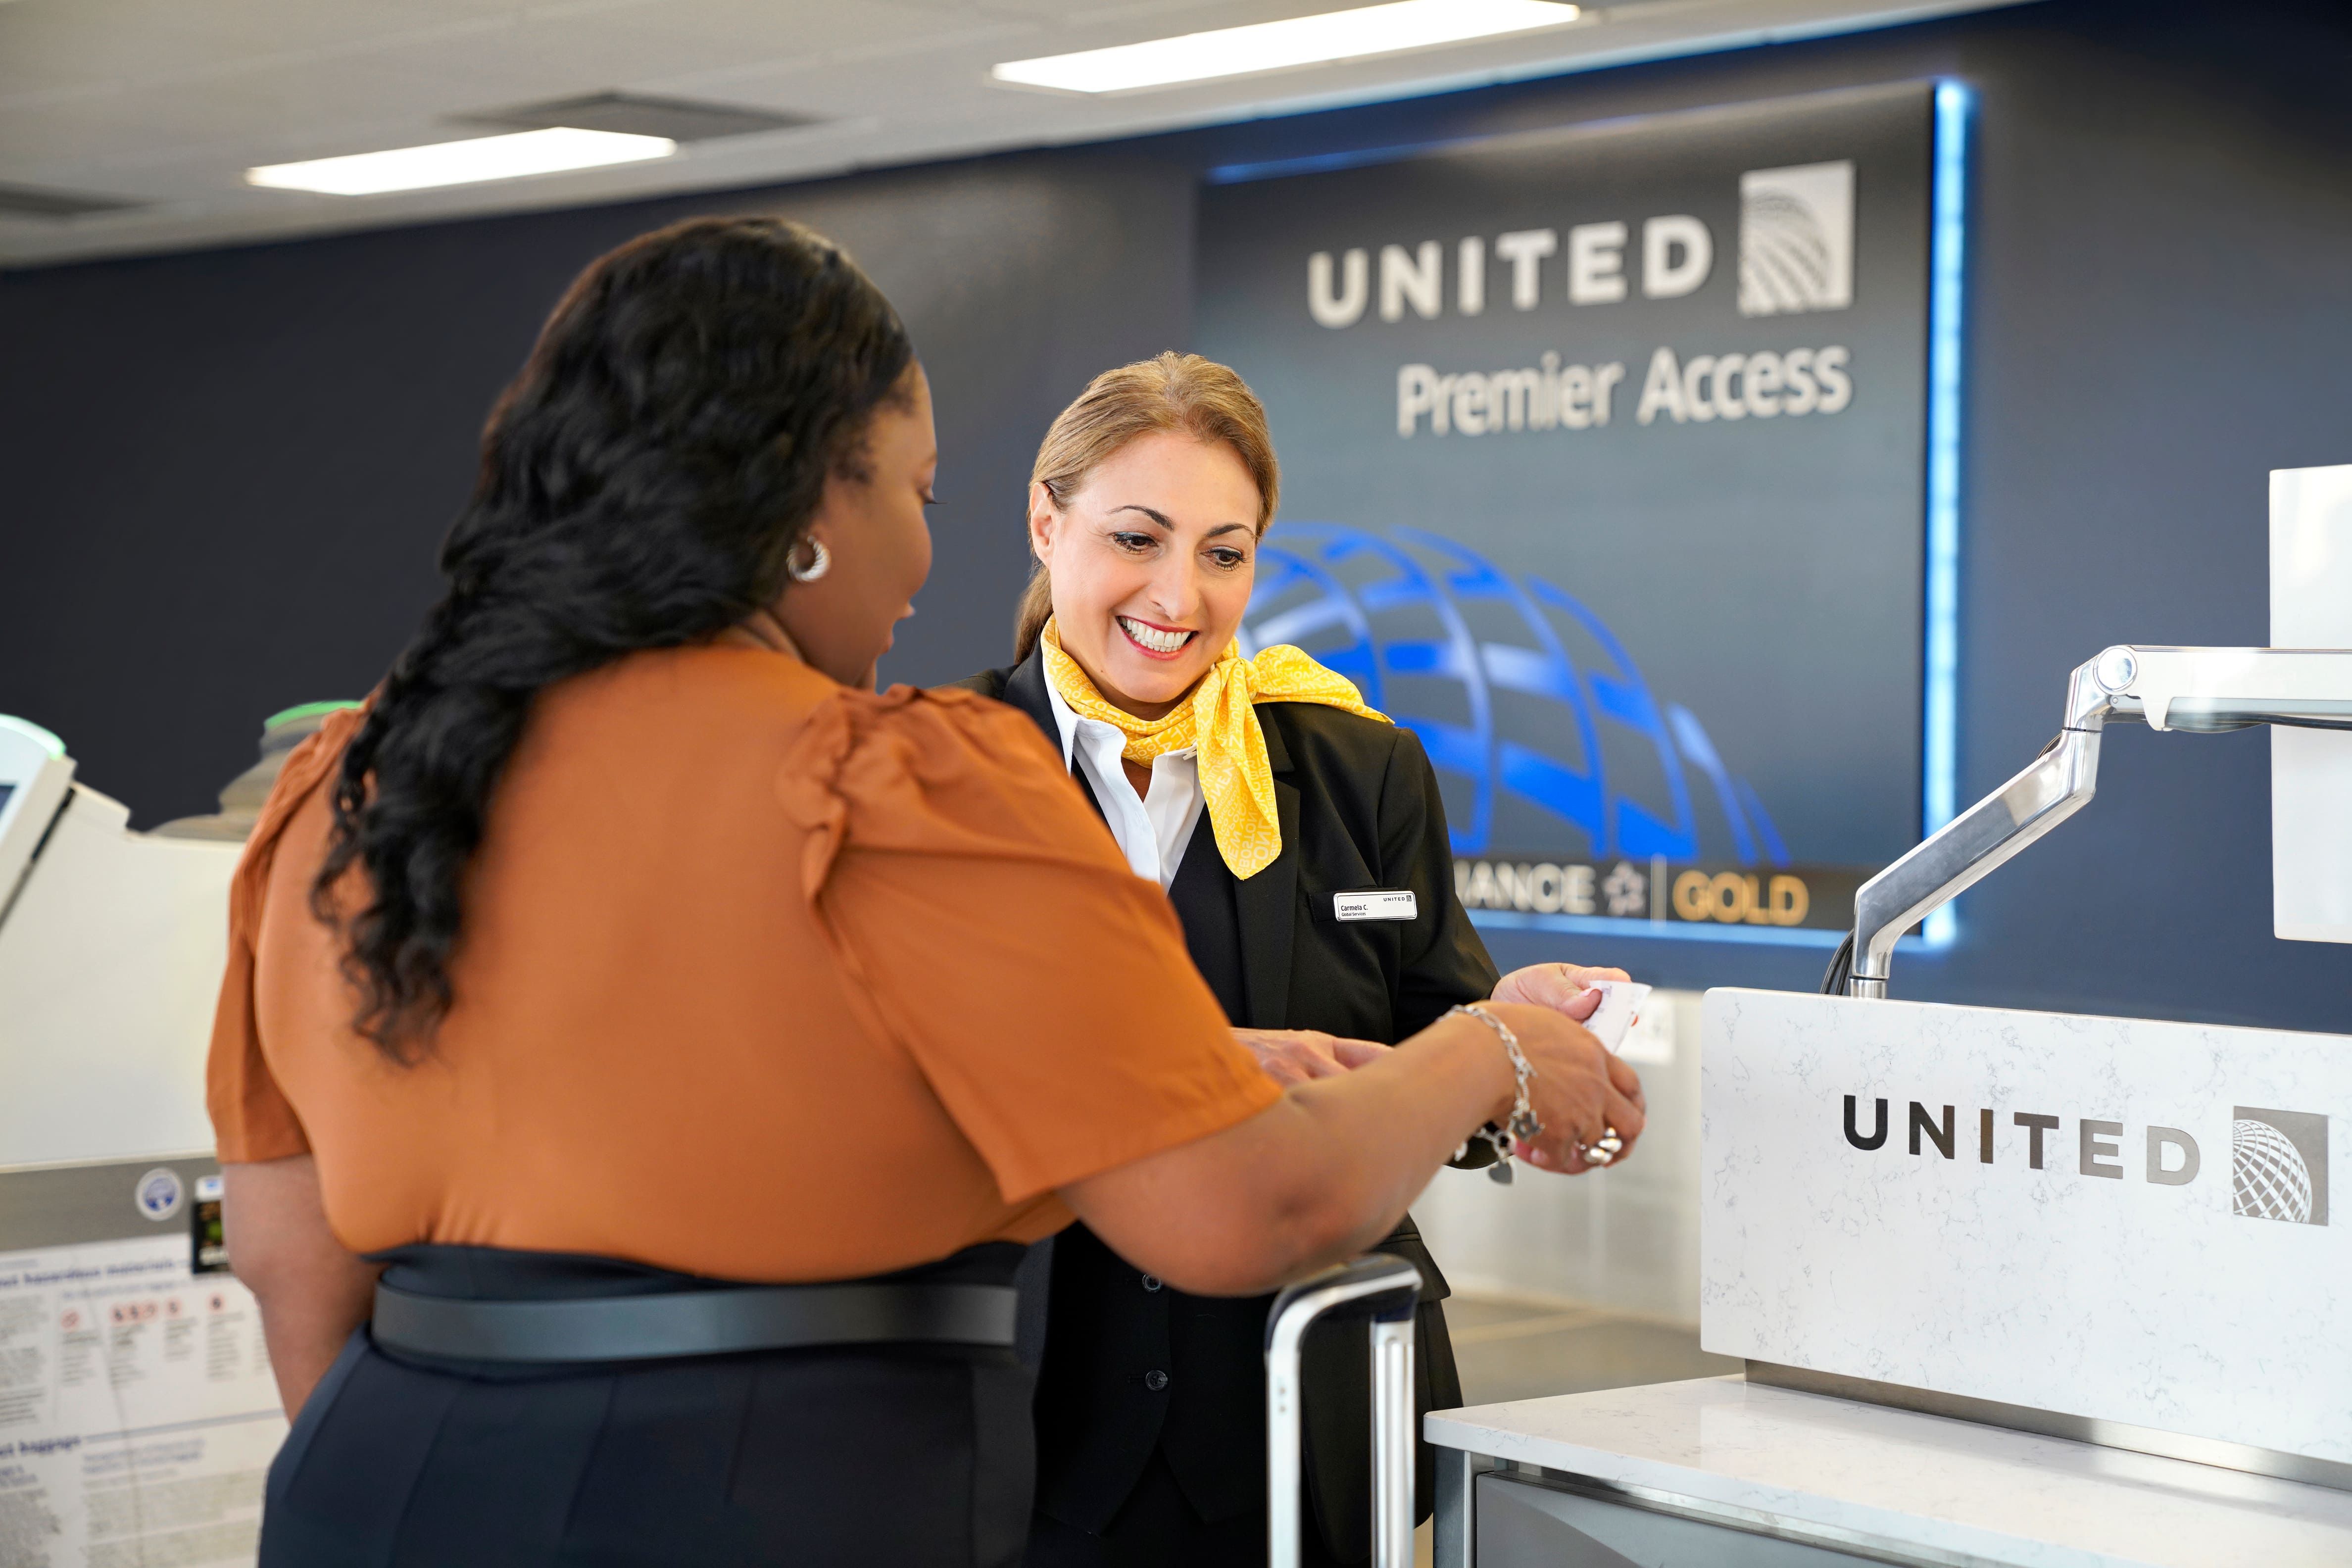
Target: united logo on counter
<point>2278,1166</point>
<point>2278,1159</point>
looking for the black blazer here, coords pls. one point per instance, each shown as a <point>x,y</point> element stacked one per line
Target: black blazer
<point>1359,809</point>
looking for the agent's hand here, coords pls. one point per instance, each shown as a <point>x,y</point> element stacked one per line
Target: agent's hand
<point>1582,1088</point>
<point>1569,989</point>
<point>1294,1056</point>
<point>1563,987</point>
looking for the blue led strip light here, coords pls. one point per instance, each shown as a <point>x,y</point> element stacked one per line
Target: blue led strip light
<point>1679,930</point>
<point>1948,236</point>
<point>1668,931</point>
<point>1946,252</point>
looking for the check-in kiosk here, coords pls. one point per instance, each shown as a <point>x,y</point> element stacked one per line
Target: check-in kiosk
<point>2012,1287</point>
<point>137,1414</point>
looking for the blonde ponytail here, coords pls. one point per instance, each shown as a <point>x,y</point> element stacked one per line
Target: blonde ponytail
<point>1035,609</point>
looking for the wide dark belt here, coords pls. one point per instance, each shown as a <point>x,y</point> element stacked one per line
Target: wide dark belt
<point>693,1322</point>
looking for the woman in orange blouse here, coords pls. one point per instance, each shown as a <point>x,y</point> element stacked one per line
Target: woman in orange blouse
<point>630,1074</point>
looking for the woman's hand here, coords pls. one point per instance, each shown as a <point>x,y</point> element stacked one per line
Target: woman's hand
<point>1296,1055</point>
<point>1582,1088</point>
<point>1329,1169</point>
<point>1570,990</point>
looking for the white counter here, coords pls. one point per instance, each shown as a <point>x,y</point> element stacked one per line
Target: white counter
<point>2110,1219</point>
<point>1891,1482</point>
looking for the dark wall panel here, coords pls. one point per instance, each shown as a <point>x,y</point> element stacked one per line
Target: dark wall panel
<point>225,472</point>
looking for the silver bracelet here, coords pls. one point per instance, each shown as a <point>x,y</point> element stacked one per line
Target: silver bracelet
<point>1523,1125</point>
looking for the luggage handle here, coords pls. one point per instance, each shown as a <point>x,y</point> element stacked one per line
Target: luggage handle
<point>1391,1288</point>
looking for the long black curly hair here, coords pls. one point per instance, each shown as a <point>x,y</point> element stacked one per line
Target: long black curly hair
<point>643,481</point>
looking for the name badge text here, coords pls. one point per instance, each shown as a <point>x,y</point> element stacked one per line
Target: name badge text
<point>1375,906</point>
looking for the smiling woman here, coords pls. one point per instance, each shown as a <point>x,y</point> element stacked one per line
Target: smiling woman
<point>1159,481</point>
<point>1152,560</point>
<point>1145,507</point>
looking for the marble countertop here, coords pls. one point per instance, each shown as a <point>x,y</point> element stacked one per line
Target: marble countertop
<point>1835,1472</point>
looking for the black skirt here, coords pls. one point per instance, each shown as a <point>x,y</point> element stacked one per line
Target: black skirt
<point>918,1456</point>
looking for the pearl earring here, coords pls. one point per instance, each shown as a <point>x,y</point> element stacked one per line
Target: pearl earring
<point>820,562</point>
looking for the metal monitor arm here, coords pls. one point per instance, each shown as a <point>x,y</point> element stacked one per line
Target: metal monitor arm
<point>2190,688</point>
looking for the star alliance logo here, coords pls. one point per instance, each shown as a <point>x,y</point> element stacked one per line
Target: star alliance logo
<point>2278,1166</point>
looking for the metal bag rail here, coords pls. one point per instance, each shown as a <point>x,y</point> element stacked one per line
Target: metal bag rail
<point>1389,1289</point>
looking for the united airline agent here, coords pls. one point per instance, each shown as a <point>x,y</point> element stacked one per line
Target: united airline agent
<point>631,988</point>
<point>1145,510</point>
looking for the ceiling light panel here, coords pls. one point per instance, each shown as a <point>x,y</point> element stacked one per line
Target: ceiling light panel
<point>466,162</point>
<point>1356,34</point>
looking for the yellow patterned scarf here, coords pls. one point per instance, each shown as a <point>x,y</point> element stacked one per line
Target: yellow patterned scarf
<point>1219,718</point>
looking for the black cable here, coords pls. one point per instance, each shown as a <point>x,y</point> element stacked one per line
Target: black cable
<point>1841,968</point>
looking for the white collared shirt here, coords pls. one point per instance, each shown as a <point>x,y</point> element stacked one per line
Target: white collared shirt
<point>1152,832</point>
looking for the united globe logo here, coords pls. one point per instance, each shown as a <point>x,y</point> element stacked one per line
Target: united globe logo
<point>2270,1181</point>
<point>1796,239</point>
<point>2278,1166</point>
<point>1533,712</point>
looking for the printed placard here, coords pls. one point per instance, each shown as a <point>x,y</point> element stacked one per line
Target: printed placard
<point>138,1412</point>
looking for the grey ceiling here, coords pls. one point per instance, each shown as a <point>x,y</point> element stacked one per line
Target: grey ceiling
<point>125,125</point>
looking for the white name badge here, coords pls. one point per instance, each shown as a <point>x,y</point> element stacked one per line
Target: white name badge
<point>1375,906</point>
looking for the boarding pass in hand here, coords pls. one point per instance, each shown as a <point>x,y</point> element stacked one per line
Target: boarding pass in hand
<point>1621,1003</point>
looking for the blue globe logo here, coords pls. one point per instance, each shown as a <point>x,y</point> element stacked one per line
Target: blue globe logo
<point>1534,713</point>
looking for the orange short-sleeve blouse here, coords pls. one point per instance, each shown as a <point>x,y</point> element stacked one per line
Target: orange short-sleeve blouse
<point>761,978</point>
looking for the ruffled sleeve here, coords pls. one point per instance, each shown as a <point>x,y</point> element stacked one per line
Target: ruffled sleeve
<point>252,1119</point>
<point>980,911</point>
